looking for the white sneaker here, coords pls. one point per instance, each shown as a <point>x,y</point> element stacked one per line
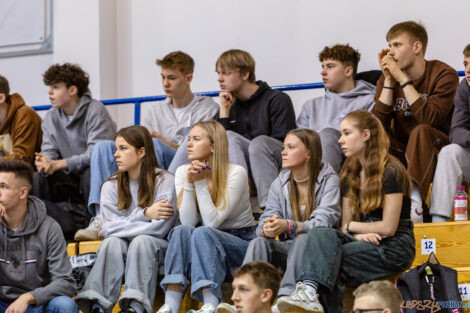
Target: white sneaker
<point>302,300</point>
<point>206,308</point>
<point>416,213</point>
<point>164,309</point>
<point>92,232</point>
<point>226,308</point>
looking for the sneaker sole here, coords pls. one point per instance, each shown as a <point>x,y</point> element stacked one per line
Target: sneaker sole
<point>289,308</point>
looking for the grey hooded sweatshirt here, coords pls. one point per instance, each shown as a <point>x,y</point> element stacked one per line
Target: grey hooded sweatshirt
<point>33,258</point>
<point>328,111</point>
<point>327,196</point>
<point>72,138</point>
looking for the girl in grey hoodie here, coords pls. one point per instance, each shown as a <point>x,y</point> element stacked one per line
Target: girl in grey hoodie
<point>306,194</point>
<point>137,212</point>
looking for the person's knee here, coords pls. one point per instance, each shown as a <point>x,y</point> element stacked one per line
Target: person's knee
<point>103,146</point>
<point>63,304</point>
<point>202,233</point>
<point>421,129</point>
<point>112,245</point>
<point>450,152</point>
<point>182,231</point>
<point>141,243</point>
<point>259,144</point>
<point>329,135</point>
<point>258,243</point>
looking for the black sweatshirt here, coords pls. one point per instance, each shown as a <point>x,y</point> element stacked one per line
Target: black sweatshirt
<point>268,112</point>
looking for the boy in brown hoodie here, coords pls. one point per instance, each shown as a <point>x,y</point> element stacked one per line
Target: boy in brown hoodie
<point>20,126</point>
<point>418,95</point>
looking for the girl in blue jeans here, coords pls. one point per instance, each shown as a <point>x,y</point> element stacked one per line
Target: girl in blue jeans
<point>214,193</point>
<point>137,212</point>
<point>376,239</point>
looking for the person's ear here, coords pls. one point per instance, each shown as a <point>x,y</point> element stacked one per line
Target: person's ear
<point>141,153</point>
<point>73,90</point>
<point>365,135</point>
<point>244,75</point>
<point>417,47</point>
<point>189,78</point>
<point>348,71</point>
<point>266,296</point>
<point>3,97</point>
<point>387,310</point>
<point>24,191</point>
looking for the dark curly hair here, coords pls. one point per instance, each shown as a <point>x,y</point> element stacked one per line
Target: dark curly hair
<point>343,53</point>
<point>70,74</point>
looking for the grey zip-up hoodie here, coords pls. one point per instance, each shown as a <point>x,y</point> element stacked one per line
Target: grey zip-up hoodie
<point>162,119</point>
<point>327,211</point>
<point>73,138</point>
<point>460,127</point>
<point>328,111</point>
<point>33,258</point>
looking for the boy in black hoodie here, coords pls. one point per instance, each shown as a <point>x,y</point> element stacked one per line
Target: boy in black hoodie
<point>35,272</point>
<point>256,116</point>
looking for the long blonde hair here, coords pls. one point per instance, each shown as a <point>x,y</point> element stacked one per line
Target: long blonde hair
<point>312,143</point>
<point>377,159</point>
<point>218,138</point>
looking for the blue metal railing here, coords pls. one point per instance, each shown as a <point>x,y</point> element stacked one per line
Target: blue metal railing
<point>138,101</point>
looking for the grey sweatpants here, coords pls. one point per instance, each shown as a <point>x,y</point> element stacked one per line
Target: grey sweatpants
<point>138,260</point>
<point>453,166</point>
<point>284,254</point>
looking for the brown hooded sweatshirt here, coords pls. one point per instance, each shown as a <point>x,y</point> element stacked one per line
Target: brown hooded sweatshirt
<point>20,133</point>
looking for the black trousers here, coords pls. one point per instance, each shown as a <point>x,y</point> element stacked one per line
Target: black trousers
<point>65,196</point>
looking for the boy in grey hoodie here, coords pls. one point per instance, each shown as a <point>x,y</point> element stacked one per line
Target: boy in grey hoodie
<point>34,268</point>
<point>343,95</point>
<point>70,129</point>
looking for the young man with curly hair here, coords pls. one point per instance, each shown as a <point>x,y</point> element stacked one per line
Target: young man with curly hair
<point>70,129</point>
<point>418,95</point>
<point>343,94</point>
<point>20,126</point>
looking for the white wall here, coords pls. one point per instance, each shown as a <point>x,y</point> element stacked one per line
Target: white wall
<point>117,42</point>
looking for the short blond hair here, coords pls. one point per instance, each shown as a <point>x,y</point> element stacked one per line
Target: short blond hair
<point>179,60</point>
<point>415,30</point>
<point>466,50</point>
<point>384,290</point>
<point>239,60</point>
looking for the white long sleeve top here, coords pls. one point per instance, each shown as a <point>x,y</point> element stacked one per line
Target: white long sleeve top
<point>237,212</point>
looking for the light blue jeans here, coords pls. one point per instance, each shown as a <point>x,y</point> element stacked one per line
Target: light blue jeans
<point>205,256</point>
<point>103,165</point>
<point>60,304</point>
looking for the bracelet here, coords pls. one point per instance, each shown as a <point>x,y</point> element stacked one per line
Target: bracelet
<point>294,229</point>
<point>347,226</point>
<point>409,82</point>
<point>387,87</point>
<point>289,227</point>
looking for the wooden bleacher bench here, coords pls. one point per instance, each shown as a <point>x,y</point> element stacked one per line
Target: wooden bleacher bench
<point>452,249</point>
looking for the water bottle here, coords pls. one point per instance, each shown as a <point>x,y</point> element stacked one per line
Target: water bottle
<point>460,204</point>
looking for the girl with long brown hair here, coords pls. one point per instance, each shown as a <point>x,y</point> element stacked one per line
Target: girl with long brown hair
<point>376,239</point>
<point>306,194</point>
<point>137,212</point>
<point>215,194</point>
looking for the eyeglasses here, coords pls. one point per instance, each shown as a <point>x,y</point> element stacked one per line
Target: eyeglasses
<point>364,310</point>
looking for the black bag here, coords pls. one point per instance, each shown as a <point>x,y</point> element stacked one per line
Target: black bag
<point>432,287</point>
<point>81,267</point>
